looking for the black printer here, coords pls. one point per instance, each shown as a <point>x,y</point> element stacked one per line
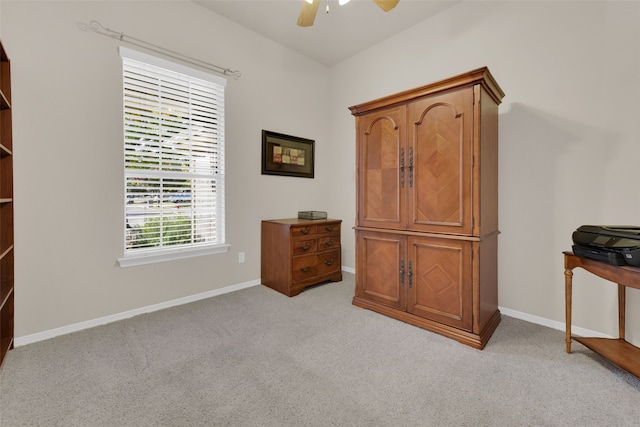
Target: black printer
<point>612,244</point>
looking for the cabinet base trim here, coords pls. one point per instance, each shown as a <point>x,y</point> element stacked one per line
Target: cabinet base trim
<point>477,341</point>
<point>296,288</point>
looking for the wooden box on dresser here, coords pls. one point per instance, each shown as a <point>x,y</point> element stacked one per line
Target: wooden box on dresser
<point>6,209</point>
<point>427,206</point>
<point>297,253</point>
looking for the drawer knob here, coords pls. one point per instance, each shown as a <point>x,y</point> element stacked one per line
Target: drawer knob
<point>328,227</point>
<point>305,269</point>
<point>305,230</point>
<point>329,242</point>
<point>306,246</point>
<point>329,261</point>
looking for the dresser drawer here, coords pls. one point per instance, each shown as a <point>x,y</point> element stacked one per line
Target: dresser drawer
<point>305,267</point>
<point>329,228</point>
<point>328,242</point>
<point>329,262</point>
<point>306,230</point>
<point>305,246</point>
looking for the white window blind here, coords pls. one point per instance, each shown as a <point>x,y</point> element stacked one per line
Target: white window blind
<point>173,156</point>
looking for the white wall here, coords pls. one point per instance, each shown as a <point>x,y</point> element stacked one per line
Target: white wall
<point>67,114</point>
<point>568,143</point>
<point>569,133</point>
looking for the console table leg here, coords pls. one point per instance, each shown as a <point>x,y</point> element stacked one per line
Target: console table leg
<point>621,310</point>
<point>568,276</point>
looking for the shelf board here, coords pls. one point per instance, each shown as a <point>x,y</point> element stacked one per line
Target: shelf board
<point>618,351</point>
<point>4,296</point>
<point>6,251</point>
<point>4,151</point>
<point>4,102</point>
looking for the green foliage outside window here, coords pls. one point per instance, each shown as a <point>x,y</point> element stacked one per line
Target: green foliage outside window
<point>175,231</point>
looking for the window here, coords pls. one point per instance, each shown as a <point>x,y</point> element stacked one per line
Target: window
<point>173,160</point>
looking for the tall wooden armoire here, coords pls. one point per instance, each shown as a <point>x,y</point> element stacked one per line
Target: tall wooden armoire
<point>427,206</point>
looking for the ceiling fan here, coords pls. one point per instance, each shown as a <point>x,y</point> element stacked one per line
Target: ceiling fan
<point>310,9</point>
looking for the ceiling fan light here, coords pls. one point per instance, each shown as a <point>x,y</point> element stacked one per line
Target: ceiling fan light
<point>341,2</point>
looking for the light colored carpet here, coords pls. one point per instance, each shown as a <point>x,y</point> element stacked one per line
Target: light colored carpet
<point>258,358</point>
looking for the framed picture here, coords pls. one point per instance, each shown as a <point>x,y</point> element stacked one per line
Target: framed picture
<point>287,155</point>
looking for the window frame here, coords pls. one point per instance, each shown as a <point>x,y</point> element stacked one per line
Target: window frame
<point>139,256</point>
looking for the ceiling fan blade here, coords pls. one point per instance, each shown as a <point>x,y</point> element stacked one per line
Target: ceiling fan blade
<point>308,13</point>
<point>386,5</point>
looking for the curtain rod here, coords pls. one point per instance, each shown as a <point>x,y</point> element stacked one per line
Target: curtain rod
<point>98,28</point>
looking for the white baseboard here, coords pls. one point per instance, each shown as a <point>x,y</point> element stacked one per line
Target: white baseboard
<point>582,332</point>
<point>45,335</point>
<point>41,336</point>
<point>349,269</point>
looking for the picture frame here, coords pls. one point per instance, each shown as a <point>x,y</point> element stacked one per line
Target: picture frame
<point>287,155</point>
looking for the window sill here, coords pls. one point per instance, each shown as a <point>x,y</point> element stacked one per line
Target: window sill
<point>153,257</point>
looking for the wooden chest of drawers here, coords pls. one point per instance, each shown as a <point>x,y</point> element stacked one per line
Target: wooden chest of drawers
<point>297,253</point>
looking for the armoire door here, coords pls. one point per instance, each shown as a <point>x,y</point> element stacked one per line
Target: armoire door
<point>380,268</point>
<point>440,284</point>
<point>440,144</point>
<point>381,175</point>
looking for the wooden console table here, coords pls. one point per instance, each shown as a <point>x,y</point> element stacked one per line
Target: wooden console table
<point>617,350</point>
